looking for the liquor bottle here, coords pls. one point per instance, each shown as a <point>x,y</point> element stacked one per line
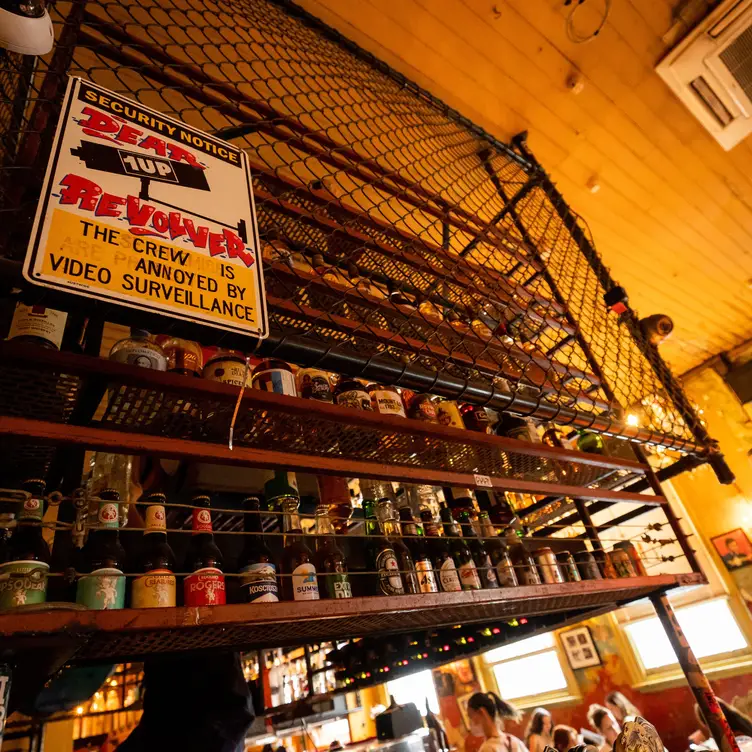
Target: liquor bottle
<point>300,582</point>
<point>351,393</point>
<point>390,525</point>
<point>314,384</point>
<point>463,557</point>
<point>330,561</point>
<point>416,543</point>
<point>38,325</point>
<point>334,493</point>
<point>459,499</point>
<point>486,570</point>
<point>23,576</point>
<point>103,557</point>
<point>205,586</point>
<point>498,552</point>
<point>256,565</point>
<point>522,561</point>
<point>228,367</point>
<point>420,406</point>
<point>139,350</point>
<point>386,400</point>
<point>154,588</point>
<point>438,549</point>
<point>381,557</point>
<point>448,413</point>
<point>183,356</point>
<point>476,418</point>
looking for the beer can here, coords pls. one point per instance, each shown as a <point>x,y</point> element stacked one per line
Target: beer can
<point>635,557</point>
<point>568,567</point>
<point>587,565</point>
<point>606,565</point>
<point>548,566</point>
<point>622,563</point>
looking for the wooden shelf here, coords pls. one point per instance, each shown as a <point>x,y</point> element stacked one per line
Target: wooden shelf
<point>176,416</point>
<point>135,633</point>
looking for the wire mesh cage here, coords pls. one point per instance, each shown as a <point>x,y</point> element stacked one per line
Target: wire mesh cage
<point>400,242</point>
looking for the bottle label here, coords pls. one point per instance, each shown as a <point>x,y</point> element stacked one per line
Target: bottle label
<point>228,372</point>
<point>144,357</point>
<point>23,583</point>
<point>469,576</point>
<point>154,589</point>
<point>426,577</point>
<point>529,576</point>
<point>338,585</point>
<point>305,585</point>
<point>38,321</point>
<point>103,589</point>
<point>387,403</point>
<point>31,509</point>
<point>275,380</point>
<point>314,385</point>
<point>449,415</point>
<point>489,574</point>
<point>356,399</point>
<point>201,522</point>
<point>424,409</point>
<point>107,516</point>
<point>205,587</point>
<point>156,519</point>
<point>390,581</point>
<point>450,580</point>
<point>260,582</point>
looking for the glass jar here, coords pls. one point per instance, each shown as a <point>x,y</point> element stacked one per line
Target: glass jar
<point>314,384</point>
<point>228,367</point>
<point>139,350</point>
<point>183,356</point>
<point>352,393</point>
<point>386,400</point>
<point>274,376</point>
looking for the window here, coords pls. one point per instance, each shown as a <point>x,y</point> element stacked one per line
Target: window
<point>415,688</point>
<point>709,626</point>
<point>528,668</point>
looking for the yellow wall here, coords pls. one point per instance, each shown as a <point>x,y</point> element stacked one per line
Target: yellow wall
<point>362,726</point>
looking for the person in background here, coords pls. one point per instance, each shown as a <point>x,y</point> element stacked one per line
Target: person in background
<point>538,731</point>
<point>621,708</point>
<point>487,713</point>
<point>603,722</point>
<point>564,738</point>
<point>740,724</point>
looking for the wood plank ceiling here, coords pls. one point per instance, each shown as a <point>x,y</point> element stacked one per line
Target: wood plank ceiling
<point>673,214</point>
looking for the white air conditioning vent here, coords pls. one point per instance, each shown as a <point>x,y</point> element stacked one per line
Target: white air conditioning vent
<point>711,72</point>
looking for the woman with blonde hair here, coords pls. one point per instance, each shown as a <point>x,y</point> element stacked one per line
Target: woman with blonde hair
<point>622,709</point>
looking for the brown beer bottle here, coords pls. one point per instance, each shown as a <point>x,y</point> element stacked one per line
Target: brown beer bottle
<point>388,519</point>
<point>486,570</point>
<point>206,585</point>
<point>258,581</point>
<point>300,582</point>
<point>381,558</point>
<point>438,549</point>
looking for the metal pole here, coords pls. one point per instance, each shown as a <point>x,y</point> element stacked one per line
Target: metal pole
<point>696,679</point>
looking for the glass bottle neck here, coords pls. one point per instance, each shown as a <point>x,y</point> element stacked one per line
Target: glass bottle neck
<point>290,518</point>
<point>391,528</point>
<point>323,523</point>
<point>252,522</point>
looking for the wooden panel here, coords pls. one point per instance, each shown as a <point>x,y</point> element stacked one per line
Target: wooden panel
<point>673,217</point>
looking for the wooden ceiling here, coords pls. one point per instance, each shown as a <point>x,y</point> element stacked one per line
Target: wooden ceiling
<point>673,213</point>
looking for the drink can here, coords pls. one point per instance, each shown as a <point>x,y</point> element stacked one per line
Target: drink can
<point>568,567</point>
<point>587,566</point>
<point>635,557</point>
<point>622,563</point>
<point>548,566</point>
<point>606,565</point>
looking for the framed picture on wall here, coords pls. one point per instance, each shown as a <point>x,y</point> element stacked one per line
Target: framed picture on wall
<point>579,647</point>
<point>734,548</point>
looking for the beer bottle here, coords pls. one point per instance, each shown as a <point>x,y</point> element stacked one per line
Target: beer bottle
<point>156,586</point>
<point>389,524</point>
<point>103,585</point>
<point>205,586</point>
<point>23,575</point>
<point>330,561</point>
<point>461,554</point>
<point>442,559</point>
<point>486,569</point>
<point>522,561</point>
<point>498,552</point>
<point>334,493</point>
<point>256,565</point>
<point>381,556</point>
<point>418,548</point>
<point>300,582</point>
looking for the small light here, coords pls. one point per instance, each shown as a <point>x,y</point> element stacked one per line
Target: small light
<point>94,706</point>
<point>386,668</point>
<point>446,647</point>
<point>471,639</point>
<point>425,655</point>
<point>496,630</point>
<point>113,682</point>
<point>633,420</point>
<point>79,710</point>
<point>523,621</point>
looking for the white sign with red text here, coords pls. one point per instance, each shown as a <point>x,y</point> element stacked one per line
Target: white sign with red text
<point>143,210</point>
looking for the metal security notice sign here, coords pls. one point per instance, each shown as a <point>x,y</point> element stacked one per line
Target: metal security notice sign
<point>143,210</point>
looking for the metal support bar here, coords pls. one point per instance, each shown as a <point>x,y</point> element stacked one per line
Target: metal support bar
<point>590,529</point>
<point>655,485</point>
<point>696,679</point>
